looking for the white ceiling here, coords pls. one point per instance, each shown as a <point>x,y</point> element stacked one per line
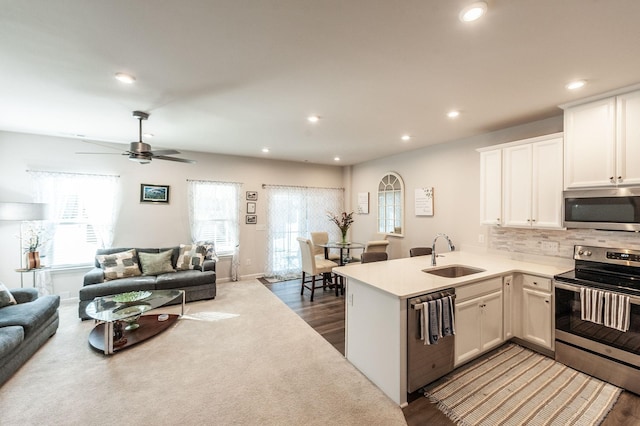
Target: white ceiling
<point>234,76</point>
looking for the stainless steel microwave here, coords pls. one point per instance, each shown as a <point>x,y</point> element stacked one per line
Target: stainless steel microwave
<point>616,209</point>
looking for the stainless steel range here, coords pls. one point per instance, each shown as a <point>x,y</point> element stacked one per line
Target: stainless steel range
<point>583,297</point>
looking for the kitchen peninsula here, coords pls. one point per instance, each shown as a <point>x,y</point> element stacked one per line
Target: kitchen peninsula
<point>376,309</point>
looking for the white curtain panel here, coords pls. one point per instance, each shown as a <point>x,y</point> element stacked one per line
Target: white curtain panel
<point>214,216</point>
<point>294,212</point>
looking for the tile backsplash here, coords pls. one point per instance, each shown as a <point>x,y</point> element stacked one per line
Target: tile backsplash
<point>557,243</point>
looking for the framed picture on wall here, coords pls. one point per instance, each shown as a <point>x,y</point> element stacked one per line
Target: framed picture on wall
<point>252,195</point>
<point>154,193</point>
<point>251,208</point>
<point>252,219</point>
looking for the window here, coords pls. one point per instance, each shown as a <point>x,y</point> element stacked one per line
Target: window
<point>81,215</point>
<point>213,214</point>
<point>390,202</point>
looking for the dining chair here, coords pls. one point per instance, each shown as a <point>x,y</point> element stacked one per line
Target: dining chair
<point>419,251</point>
<point>312,266</point>
<point>373,256</point>
<point>321,237</point>
<point>374,246</point>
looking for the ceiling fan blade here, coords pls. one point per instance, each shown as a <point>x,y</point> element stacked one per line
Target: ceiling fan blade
<point>164,152</point>
<point>179,160</point>
<point>104,153</point>
<point>104,145</point>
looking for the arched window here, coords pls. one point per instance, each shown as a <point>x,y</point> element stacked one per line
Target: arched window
<point>390,204</point>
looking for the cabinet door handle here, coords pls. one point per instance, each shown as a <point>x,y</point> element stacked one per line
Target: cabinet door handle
<point>611,179</point>
<point>619,178</point>
<point>546,301</point>
<point>535,283</point>
<point>533,220</point>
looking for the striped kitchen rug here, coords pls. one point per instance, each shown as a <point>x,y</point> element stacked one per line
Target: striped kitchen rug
<point>516,386</point>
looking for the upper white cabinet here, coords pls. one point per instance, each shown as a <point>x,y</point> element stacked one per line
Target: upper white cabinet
<point>602,142</point>
<point>532,184</point>
<point>491,187</point>
<point>521,183</point>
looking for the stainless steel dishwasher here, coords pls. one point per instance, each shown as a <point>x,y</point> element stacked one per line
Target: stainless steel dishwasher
<point>426,363</point>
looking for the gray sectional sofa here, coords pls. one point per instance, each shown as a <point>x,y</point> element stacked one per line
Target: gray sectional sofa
<point>25,327</point>
<point>198,283</point>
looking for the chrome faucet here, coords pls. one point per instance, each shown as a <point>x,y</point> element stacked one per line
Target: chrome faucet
<point>433,247</point>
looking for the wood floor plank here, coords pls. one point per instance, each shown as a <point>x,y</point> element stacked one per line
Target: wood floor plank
<point>326,315</point>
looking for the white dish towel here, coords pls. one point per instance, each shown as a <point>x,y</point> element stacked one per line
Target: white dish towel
<point>591,305</point>
<point>617,309</point>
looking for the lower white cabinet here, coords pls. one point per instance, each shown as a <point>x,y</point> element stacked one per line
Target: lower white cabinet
<point>537,311</point>
<point>507,297</point>
<point>479,322</point>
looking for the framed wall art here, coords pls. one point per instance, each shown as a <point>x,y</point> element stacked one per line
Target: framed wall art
<point>252,195</point>
<point>154,193</point>
<point>252,219</point>
<point>251,208</point>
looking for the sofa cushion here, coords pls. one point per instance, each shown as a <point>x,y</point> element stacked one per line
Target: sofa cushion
<point>122,285</point>
<point>210,250</point>
<point>30,315</point>
<point>6,298</point>
<point>10,339</point>
<point>156,263</point>
<point>119,265</point>
<point>191,257</point>
<point>182,279</point>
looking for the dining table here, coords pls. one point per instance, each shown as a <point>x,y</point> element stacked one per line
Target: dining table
<point>345,250</point>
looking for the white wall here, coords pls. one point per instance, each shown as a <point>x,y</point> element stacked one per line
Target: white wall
<point>139,224</point>
<point>453,170</point>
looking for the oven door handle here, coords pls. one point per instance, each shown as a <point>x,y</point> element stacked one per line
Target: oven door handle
<point>576,289</point>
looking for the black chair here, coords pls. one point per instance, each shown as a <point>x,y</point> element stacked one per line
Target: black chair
<point>373,256</point>
<point>419,251</point>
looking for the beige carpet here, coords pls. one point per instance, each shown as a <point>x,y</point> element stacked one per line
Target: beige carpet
<point>241,359</point>
<point>516,386</point>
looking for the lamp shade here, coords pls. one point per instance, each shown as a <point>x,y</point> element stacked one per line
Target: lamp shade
<point>23,211</point>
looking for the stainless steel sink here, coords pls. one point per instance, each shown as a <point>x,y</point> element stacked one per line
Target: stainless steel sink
<point>453,271</point>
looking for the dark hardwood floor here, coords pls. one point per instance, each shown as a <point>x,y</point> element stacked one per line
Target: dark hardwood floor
<point>326,315</point>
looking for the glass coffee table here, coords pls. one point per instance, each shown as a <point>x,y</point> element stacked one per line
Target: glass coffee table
<point>120,320</point>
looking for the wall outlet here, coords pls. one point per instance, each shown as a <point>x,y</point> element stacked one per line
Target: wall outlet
<point>247,262</point>
<point>550,246</point>
<point>481,238</point>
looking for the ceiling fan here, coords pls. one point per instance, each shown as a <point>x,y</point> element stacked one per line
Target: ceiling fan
<point>141,152</point>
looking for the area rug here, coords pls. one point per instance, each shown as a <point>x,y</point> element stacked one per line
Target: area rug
<point>243,358</point>
<point>516,386</point>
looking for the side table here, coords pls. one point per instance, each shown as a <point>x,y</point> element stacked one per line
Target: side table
<point>23,271</point>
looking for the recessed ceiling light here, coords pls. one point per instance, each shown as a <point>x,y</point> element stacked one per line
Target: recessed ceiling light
<point>313,118</point>
<point>576,84</point>
<point>453,114</point>
<point>473,12</point>
<point>125,78</point>
<point>336,158</point>
<point>405,137</point>
<point>265,150</point>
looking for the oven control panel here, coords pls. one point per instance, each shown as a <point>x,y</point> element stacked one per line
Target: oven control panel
<point>607,255</point>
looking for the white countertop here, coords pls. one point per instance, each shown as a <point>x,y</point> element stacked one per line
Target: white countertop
<point>404,277</point>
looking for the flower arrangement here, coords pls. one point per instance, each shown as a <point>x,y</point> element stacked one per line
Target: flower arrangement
<point>34,238</point>
<point>343,221</point>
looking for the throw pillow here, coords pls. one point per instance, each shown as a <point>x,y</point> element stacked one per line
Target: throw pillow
<point>191,257</point>
<point>156,263</point>
<point>210,248</point>
<point>6,298</point>
<point>119,265</point>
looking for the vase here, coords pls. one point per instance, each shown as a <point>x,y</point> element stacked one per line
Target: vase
<point>33,260</point>
<point>344,237</point>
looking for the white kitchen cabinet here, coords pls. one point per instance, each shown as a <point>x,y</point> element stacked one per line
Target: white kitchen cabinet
<point>479,322</point>
<point>532,183</point>
<point>602,142</point>
<point>491,187</point>
<point>537,311</point>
